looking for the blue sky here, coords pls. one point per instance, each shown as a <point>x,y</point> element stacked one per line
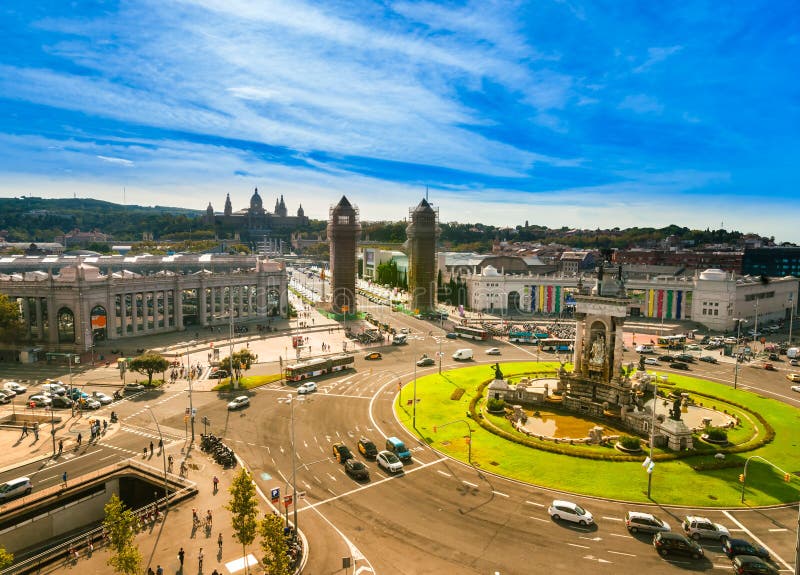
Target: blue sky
<point>561,113</point>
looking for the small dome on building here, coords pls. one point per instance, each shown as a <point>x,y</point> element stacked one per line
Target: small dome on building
<point>714,274</point>
<point>256,204</point>
<point>489,271</point>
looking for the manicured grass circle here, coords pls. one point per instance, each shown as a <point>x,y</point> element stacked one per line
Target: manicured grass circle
<point>696,480</point>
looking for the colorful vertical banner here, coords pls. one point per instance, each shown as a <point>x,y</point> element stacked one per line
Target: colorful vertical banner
<point>541,298</point>
<point>650,298</point>
<point>660,302</point>
<point>549,299</point>
<point>558,299</point>
<point>669,304</point>
<point>679,304</point>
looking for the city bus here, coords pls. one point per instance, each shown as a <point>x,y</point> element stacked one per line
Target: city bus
<point>672,341</point>
<point>317,367</point>
<point>521,337</point>
<point>471,332</point>
<point>556,345</point>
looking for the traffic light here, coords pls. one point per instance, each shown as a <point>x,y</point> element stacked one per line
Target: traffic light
<point>434,429</point>
<point>787,477</point>
<point>741,478</point>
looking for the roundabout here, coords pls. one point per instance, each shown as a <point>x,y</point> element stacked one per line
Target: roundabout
<point>707,475</point>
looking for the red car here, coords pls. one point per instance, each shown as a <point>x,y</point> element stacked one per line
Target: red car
<point>769,367</point>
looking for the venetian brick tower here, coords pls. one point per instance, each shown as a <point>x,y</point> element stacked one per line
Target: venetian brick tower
<point>344,230</point>
<point>422,234</point>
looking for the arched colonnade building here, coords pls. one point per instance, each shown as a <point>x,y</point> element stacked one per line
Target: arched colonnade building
<point>78,305</point>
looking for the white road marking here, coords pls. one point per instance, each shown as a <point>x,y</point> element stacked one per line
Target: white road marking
<point>576,545</point>
<point>621,535</point>
<point>535,504</point>
<point>440,472</point>
<point>757,540</point>
<point>500,493</point>
<point>611,518</point>
<point>468,483</point>
<point>778,530</point>
<point>621,553</point>
<point>540,519</point>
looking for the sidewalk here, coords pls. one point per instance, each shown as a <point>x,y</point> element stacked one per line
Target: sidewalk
<point>158,543</point>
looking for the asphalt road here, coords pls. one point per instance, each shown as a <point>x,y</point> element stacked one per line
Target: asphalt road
<point>439,516</point>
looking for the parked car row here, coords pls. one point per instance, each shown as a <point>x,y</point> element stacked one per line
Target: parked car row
<point>56,394</point>
<point>746,557</point>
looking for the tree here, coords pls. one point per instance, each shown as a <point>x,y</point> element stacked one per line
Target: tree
<point>148,364</point>
<point>120,524</point>
<point>242,360</point>
<point>12,327</point>
<point>273,544</point>
<point>244,509</point>
<point>6,558</point>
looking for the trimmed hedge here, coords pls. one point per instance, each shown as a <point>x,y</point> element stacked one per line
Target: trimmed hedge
<point>576,451</point>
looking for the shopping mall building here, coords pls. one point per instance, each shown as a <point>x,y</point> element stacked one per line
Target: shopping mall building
<point>70,303</point>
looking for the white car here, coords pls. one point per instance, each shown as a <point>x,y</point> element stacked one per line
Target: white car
<point>308,387</point>
<point>569,511</point>
<point>389,461</point>
<point>54,388</point>
<point>239,402</point>
<point>15,387</point>
<point>651,361</point>
<point>697,527</point>
<point>795,388</point>
<point>102,397</point>
<point>89,403</point>
<point>493,351</point>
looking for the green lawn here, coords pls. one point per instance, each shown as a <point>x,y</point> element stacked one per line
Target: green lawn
<point>674,482</point>
<point>248,382</point>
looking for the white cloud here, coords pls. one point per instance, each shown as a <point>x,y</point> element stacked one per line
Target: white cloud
<point>120,161</point>
<point>656,55</point>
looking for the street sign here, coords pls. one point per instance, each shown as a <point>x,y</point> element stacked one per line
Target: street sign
<point>275,494</point>
<point>194,411</point>
<point>287,500</point>
<point>187,411</point>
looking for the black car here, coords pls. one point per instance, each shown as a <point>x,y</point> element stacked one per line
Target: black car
<point>60,401</point>
<point>752,565</point>
<point>669,543</point>
<point>709,359</point>
<point>367,448</point>
<point>678,365</point>
<point>667,358</point>
<point>684,357</point>
<point>341,452</point>
<point>355,469</point>
<point>734,547</point>
<point>774,357</point>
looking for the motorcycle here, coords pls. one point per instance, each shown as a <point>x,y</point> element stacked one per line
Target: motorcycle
<point>113,417</point>
<point>117,395</point>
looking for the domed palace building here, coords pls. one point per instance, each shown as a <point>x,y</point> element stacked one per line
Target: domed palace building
<point>254,222</point>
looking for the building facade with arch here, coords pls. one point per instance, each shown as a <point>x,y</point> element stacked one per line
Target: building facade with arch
<point>78,306</point>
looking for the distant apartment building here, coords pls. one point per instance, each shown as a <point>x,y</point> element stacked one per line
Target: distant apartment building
<point>578,261</point>
<point>772,262</point>
<point>689,260</point>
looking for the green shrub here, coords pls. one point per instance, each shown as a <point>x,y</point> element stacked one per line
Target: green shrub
<point>496,405</point>
<point>716,434</point>
<point>631,443</point>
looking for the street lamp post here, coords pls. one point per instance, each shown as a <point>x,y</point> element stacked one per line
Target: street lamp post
<point>650,464</point>
<point>164,458</point>
<point>736,355</point>
<point>290,399</point>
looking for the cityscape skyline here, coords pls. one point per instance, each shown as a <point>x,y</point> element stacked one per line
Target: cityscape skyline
<point>560,113</point>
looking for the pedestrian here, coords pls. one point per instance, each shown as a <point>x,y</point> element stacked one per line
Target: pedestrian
<point>159,570</point>
<point>60,446</point>
<point>160,444</point>
<point>36,430</point>
<point>144,452</point>
<point>216,483</point>
<point>24,429</point>
<point>200,560</point>
<point>150,571</point>
<point>219,542</point>
<point>169,463</point>
<point>105,425</point>
<point>80,438</point>
<point>64,478</point>
<point>181,554</point>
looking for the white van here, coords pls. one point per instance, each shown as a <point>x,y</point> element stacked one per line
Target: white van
<point>793,353</point>
<point>399,339</point>
<point>462,354</point>
<point>15,488</point>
